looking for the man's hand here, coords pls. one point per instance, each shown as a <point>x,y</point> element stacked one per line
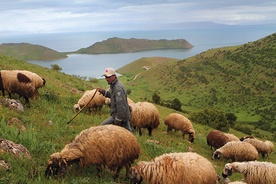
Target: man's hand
<point>99,90</point>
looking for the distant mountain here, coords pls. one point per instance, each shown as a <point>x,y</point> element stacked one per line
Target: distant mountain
<point>26,51</point>
<point>235,79</point>
<point>120,45</point>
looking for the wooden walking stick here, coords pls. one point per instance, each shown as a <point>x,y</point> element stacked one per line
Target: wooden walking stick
<point>83,107</point>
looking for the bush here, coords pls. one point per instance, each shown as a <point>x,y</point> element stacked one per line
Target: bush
<point>211,117</point>
<point>56,67</point>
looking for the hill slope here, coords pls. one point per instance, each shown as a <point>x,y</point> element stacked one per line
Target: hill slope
<point>26,51</point>
<point>120,45</point>
<point>47,130</point>
<point>236,79</point>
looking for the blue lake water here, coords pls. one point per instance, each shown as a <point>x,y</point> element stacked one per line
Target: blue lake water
<point>93,65</point>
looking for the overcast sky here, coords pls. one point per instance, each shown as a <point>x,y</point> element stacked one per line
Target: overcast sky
<point>48,16</point>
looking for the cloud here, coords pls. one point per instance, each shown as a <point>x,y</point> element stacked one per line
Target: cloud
<point>35,16</point>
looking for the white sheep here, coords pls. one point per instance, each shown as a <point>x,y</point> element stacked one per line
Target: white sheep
<point>96,103</point>
<point>254,172</point>
<point>175,168</point>
<point>264,148</point>
<point>107,146</point>
<point>237,151</point>
<point>144,115</point>
<point>16,82</point>
<point>179,122</point>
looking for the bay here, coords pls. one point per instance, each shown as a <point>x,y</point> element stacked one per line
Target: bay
<point>93,65</point>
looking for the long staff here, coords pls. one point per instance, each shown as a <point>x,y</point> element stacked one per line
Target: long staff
<point>83,107</point>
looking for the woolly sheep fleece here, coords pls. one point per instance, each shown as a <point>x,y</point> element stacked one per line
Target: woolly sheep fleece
<point>15,82</point>
<point>179,122</point>
<point>237,151</point>
<point>261,146</point>
<point>144,115</point>
<point>254,172</point>
<point>175,168</point>
<point>216,139</point>
<point>107,146</point>
<point>96,103</point>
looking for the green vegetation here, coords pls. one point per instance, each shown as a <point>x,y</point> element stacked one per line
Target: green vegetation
<point>120,45</point>
<point>211,80</point>
<point>239,80</point>
<point>26,51</point>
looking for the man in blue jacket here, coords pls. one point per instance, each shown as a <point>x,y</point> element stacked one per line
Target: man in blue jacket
<point>119,109</point>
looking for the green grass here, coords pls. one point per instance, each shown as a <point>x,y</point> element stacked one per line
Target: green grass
<point>56,104</point>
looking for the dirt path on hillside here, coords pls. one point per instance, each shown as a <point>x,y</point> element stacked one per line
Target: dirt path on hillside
<point>145,67</point>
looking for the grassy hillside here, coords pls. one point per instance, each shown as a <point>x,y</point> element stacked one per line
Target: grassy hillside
<point>120,45</point>
<point>238,79</point>
<point>56,103</point>
<point>26,51</point>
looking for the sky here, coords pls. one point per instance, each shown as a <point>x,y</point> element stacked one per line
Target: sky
<point>56,16</point>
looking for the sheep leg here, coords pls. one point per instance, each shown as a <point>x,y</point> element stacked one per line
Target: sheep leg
<point>127,170</point>
<point>169,129</point>
<point>116,175</point>
<point>140,131</point>
<point>150,131</point>
<point>100,170</point>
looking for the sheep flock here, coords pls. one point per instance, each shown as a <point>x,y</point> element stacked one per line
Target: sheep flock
<point>114,148</point>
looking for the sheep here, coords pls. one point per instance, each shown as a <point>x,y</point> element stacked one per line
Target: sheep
<point>254,172</point>
<point>216,139</point>
<point>237,151</point>
<point>174,168</point>
<point>144,115</point>
<point>179,122</point>
<point>38,81</point>
<point>96,103</point>
<point>107,146</point>
<point>16,82</point>
<point>264,148</point>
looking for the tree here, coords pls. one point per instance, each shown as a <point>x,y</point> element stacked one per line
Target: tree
<point>156,98</point>
<point>56,67</point>
<point>176,104</point>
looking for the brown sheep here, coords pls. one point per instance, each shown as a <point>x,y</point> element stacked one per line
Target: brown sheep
<point>144,115</point>
<point>96,103</point>
<point>107,146</point>
<point>175,168</point>
<point>237,151</point>
<point>216,139</point>
<point>254,172</point>
<point>179,122</point>
<point>16,82</point>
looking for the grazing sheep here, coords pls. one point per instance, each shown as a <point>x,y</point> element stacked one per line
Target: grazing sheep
<point>107,146</point>
<point>96,103</point>
<point>216,139</point>
<point>263,148</point>
<point>237,151</point>
<point>179,122</point>
<point>175,168</point>
<point>38,81</point>
<point>16,82</point>
<point>254,172</point>
<point>144,115</point>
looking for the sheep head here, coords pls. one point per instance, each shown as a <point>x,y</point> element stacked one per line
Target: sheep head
<point>216,154</point>
<point>227,171</point>
<point>192,137</point>
<point>136,178</point>
<point>56,165</point>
